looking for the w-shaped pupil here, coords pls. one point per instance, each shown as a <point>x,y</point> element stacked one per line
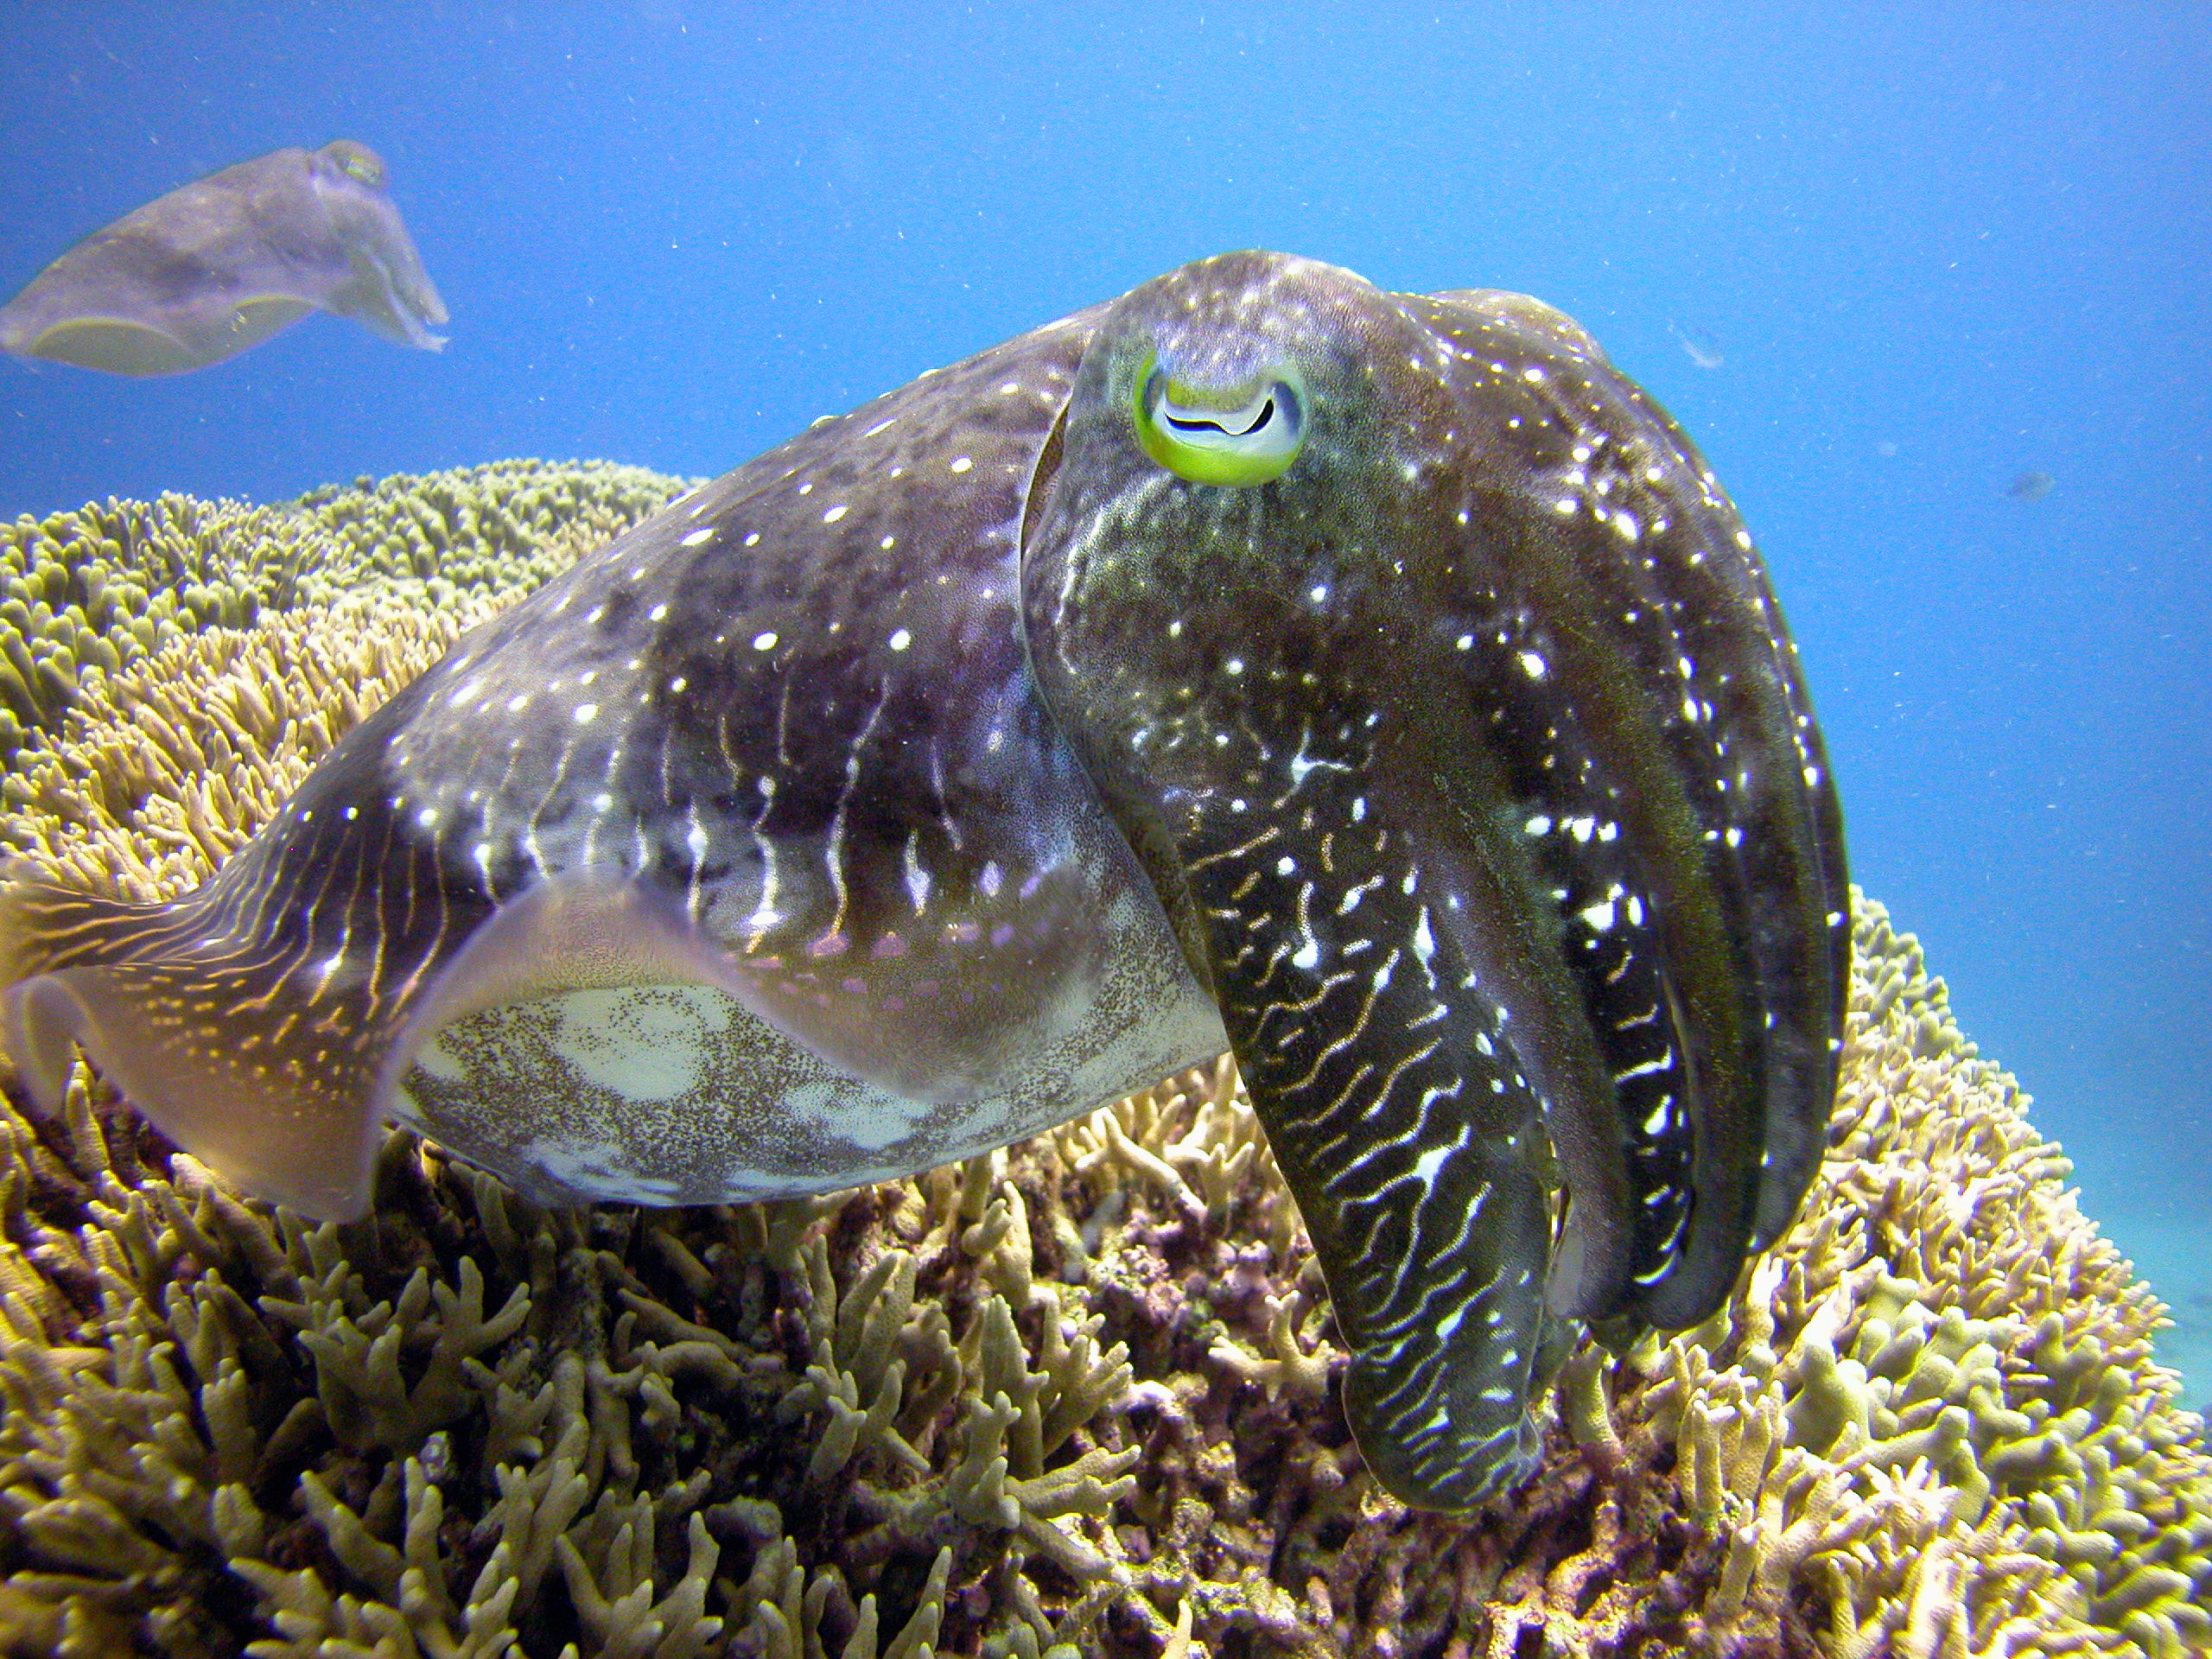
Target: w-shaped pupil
<point>1267,413</point>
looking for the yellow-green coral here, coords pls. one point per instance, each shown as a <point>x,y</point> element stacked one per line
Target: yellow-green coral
<point>84,592</point>
<point>1937,1402</point>
<point>151,783</point>
<point>1075,1397</point>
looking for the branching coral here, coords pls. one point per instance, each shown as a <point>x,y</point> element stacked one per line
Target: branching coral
<point>1936,1404</point>
<point>1075,1397</point>
<point>82,594</point>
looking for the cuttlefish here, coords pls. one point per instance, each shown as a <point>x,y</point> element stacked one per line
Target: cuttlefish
<point>1378,685</point>
<point>225,261</point>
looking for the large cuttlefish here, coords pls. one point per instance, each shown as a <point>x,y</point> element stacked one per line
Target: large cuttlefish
<point>1378,685</point>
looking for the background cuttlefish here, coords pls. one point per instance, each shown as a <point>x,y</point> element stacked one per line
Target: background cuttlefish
<point>224,261</point>
<point>1377,684</point>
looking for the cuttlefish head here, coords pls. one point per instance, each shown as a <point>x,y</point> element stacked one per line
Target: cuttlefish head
<point>1374,618</point>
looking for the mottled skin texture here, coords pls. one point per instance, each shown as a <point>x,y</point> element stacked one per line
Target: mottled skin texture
<point>789,780</point>
<point>223,263</point>
<point>963,762</point>
<point>1470,758</point>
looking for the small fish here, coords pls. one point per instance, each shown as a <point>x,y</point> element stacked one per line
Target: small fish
<point>2032,486</point>
<point>1377,684</point>
<point>1702,349</point>
<point>228,261</point>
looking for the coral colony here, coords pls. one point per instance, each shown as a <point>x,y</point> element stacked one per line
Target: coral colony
<point>1077,1397</point>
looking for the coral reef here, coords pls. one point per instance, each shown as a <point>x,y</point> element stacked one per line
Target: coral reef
<point>1932,1421</point>
<point>1073,1398</point>
<point>85,592</point>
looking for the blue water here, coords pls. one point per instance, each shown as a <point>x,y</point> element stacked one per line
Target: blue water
<point>1932,248</point>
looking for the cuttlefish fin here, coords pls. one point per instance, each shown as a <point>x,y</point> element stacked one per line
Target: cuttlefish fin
<point>277,1065</point>
<point>113,344</point>
<point>241,1065</point>
<point>581,931</point>
<point>255,319</point>
<point>124,345</point>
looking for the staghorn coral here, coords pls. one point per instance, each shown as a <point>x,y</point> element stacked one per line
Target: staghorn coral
<point>1937,1405</point>
<point>82,594</point>
<point>155,781</point>
<point>1076,1396</point>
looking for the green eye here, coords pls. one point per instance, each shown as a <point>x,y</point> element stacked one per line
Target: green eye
<point>1241,437</point>
<point>356,161</point>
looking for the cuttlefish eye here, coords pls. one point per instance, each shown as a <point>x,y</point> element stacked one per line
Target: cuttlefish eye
<point>357,163</point>
<point>1245,435</point>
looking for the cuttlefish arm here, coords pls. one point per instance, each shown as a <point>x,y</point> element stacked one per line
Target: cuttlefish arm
<point>1433,680</point>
